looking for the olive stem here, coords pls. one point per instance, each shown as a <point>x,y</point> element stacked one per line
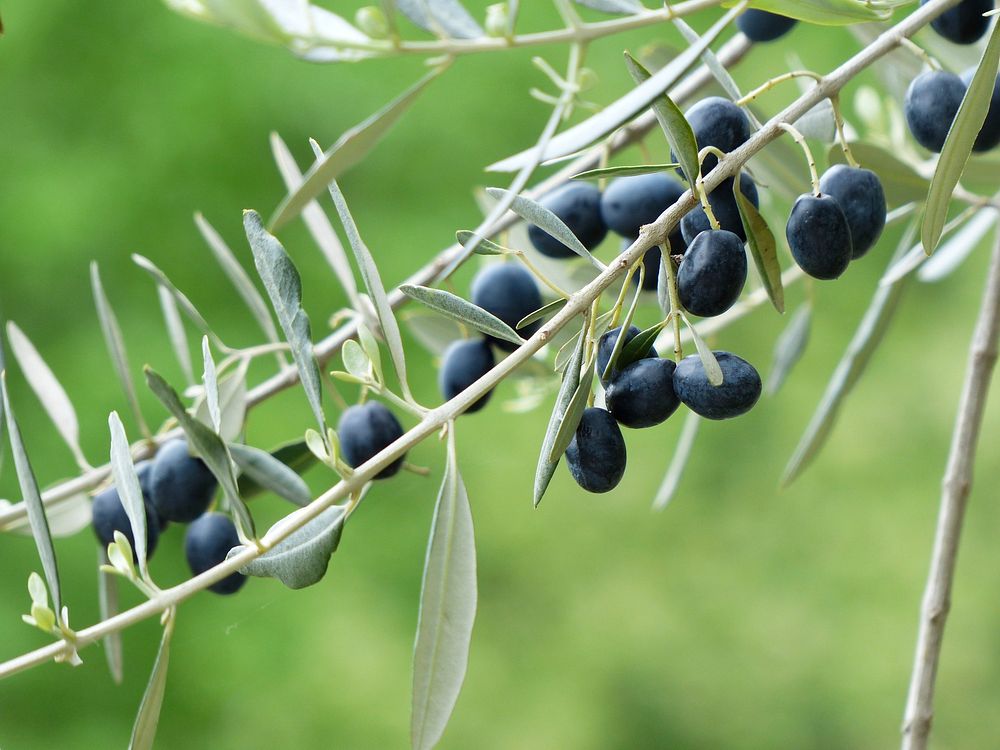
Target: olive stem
<point>800,139</point>
<point>523,257</point>
<point>955,489</point>
<point>768,85</point>
<point>918,51</point>
<point>838,119</point>
<point>675,302</point>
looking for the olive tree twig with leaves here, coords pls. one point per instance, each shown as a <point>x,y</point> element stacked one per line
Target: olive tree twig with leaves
<point>578,303</point>
<point>730,54</point>
<point>448,597</point>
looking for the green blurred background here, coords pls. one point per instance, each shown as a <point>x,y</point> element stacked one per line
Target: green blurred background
<point>742,617</point>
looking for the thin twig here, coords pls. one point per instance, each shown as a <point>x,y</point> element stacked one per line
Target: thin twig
<point>955,490</point>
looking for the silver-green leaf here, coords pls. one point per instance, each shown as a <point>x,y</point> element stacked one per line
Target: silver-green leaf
<point>239,278</point>
<point>208,446</point>
<point>270,473</point>
<point>32,500</point>
<point>675,126</point>
<point>116,346</point>
<point>107,595</point>
<point>302,558</point>
<point>543,218</point>
<point>461,310</point>
<point>790,347</point>
<point>619,7</point>
<point>445,18</point>
<point>682,452</point>
<point>373,283</point>
<point>447,610</point>
<point>349,149</point>
<point>148,717</point>
<point>48,389</point>
<point>571,379</point>
<point>574,413</point>
<point>127,485</point>
<point>284,287</point>
<point>175,331</point>
<point>859,352</point>
<point>958,144</point>
<point>763,248</point>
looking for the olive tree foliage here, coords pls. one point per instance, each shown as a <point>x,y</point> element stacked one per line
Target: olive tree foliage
<point>585,298</point>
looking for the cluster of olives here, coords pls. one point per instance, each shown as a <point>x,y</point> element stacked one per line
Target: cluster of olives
<point>176,487</point>
<point>645,393</point>
<point>825,231</point>
<point>933,98</point>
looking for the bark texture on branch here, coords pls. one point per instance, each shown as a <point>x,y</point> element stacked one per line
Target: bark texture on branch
<point>955,490</point>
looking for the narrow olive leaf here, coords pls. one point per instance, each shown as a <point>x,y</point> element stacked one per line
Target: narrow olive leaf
<point>175,331</point>
<point>284,287</point>
<point>679,135</point>
<point>542,312</point>
<point>434,332</point>
<point>32,500</point>
<point>49,391</point>
<point>790,347</point>
<point>484,246</point>
<point>682,452</point>
<point>624,171</point>
<point>208,446</point>
<point>268,473</point>
<point>952,253</point>
<point>447,609</point>
<point>317,222</point>
<point>623,326</point>
<point>901,182</point>
<point>818,123</point>
<point>232,403</point>
<point>715,67</point>
<point>859,352</point>
<point>116,346</point>
<point>441,17</point>
<point>238,277</point>
<point>146,721</point>
<point>825,12</point>
<point>295,456</point>
<point>620,7</point>
<point>541,217</point>
<point>127,484</point>
<point>763,249</point>
<point>211,386</point>
<point>107,597</point>
<point>621,111</point>
<point>373,284</point>
<point>67,517</point>
<point>302,558</point>
<point>185,304</point>
<point>370,347</point>
<point>663,282</point>
<point>571,379</point>
<point>712,370</point>
<point>958,144</point>
<point>636,348</point>
<point>574,413</point>
<point>349,149</point>
<point>906,262</point>
<point>461,310</point>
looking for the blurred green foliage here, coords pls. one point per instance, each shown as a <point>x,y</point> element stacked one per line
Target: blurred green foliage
<point>742,617</point>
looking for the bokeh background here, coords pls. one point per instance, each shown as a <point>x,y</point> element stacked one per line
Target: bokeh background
<point>741,617</point>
